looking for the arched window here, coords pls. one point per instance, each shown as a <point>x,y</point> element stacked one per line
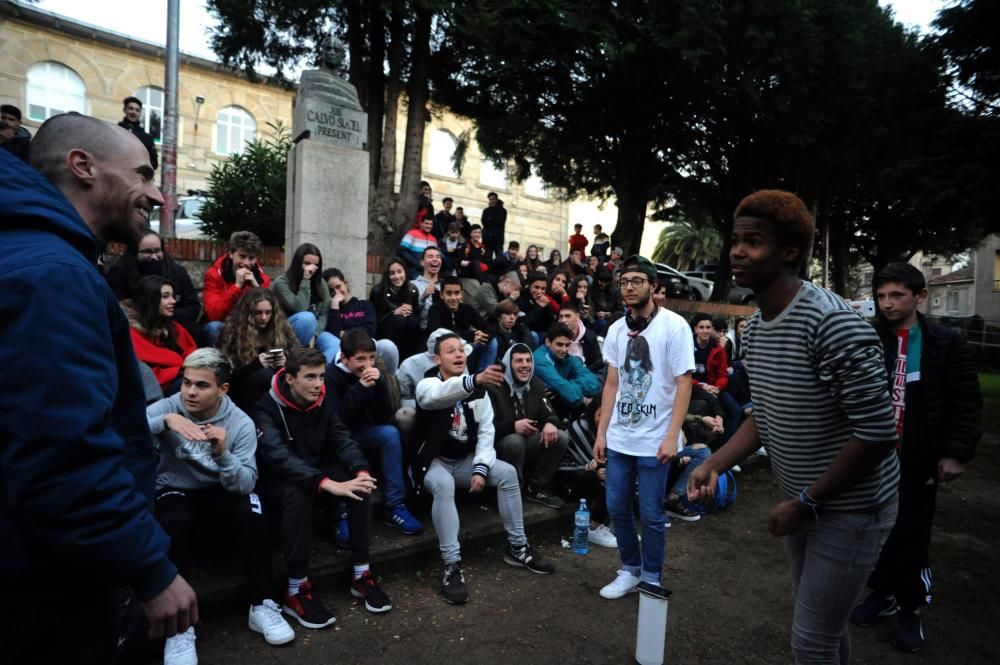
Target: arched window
<point>234,128</point>
<point>491,176</point>
<point>535,186</point>
<point>152,110</point>
<point>440,155</point>
<point>54,88</point>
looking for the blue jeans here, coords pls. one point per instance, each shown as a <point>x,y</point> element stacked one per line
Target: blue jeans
<point>732,415</point>
<point>304,324</point>
<point>831,559</point>
<point>622,473</point>
<point>697,455</point>
<point>212,330</point>
<point>382,441</point>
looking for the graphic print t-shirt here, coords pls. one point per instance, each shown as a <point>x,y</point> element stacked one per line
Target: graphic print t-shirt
<point>648,364</point>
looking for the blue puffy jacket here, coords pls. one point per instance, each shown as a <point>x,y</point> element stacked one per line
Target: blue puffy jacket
<point>76,461</point>
<point>569,378</point>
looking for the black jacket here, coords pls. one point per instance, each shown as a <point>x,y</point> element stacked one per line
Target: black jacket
<point>296,444</point>
<point>442,221</point>
<point>507,408</point>
<point>357,405</point>
<point>536,317</point>
<point>463,323</point>
<point>386,300</point>
<point>494,219</point>
<point>949,424</point>
<point>146,139</point>
<point>518,334</point>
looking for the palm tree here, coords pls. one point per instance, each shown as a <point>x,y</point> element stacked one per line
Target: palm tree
<point>684,244</point>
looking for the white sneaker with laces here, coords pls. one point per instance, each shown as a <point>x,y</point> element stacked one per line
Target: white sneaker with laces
<point>624,583</point>
<point>179,649</point>
<point>266,619</point>
<point>762,451</point>
<point>602,536</point>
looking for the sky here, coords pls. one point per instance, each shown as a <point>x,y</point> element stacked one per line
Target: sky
<point>150,24</point>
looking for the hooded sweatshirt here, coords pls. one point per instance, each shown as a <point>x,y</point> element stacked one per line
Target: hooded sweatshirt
<point>357,405</point>
<point>78,482</point>
<point>220,293</point>
<point>186,464</point>
<point>296,444</point>
<point>513,400</point>
<point>413,369</point>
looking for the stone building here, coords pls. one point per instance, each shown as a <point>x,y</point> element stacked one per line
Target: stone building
<point>53,64</point>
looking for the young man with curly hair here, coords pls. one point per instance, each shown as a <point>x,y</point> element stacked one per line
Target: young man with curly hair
<point>822,410</point>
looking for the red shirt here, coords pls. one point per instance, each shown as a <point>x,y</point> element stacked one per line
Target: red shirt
<point>165,363</point>
<point>578,241</point>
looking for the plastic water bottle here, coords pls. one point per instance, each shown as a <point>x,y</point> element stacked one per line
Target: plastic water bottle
<point>581,529</point>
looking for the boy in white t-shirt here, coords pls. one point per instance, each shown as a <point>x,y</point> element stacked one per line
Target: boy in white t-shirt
<point>650,356</point>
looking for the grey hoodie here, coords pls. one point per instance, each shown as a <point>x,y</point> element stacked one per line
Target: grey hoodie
<point>517,389</point>
<point>412,370</point>
<point>186,464</point>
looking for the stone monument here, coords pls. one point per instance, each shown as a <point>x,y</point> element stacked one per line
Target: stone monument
<point>327,202</point>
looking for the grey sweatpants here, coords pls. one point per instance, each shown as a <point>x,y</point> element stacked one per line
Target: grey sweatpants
<point>444,476</point>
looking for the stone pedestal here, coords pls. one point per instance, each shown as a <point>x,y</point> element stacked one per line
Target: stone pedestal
<point>328,206</point>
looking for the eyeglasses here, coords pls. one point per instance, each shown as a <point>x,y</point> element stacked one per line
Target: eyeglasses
<point>151,252</point>
<point>635,282</point>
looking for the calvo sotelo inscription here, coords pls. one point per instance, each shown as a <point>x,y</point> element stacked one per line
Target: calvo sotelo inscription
<point>330,123</point>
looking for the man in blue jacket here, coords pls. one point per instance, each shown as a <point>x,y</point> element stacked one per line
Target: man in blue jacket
<point>76,461</point>
<point>566,376</point>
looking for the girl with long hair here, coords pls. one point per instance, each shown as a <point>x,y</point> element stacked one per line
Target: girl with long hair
<point>397,307</point>
<point>579,295</point>
<point>255,327</point>
<point>159,341</point>
<point>532,259</point>
<point>305,299</point>
<point>556,290</point>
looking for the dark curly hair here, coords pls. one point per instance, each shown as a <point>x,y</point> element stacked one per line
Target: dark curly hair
<point>793,224</point>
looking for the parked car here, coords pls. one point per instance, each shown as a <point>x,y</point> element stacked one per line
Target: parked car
<point>739,295</point>
<point>187,219</point>
<point>678,286</point>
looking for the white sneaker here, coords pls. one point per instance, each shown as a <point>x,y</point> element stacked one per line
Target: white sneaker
<point>179,649</point>
<point>623,584</point>
<point>762,451</point>
<point>736,468</point>
<point>602,536</point>
<point>266,619</point>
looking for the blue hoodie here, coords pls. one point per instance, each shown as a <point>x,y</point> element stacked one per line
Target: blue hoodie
<point>76,458</point>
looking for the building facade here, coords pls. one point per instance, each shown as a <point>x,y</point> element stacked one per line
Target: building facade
<point>52,65</point>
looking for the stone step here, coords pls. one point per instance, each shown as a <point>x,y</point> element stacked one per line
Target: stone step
<point>218,576</point>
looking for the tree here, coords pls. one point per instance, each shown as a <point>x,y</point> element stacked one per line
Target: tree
<point>685,244</point>
<point>382,36</point>
<point>970,41</point>
<point>247,191</point>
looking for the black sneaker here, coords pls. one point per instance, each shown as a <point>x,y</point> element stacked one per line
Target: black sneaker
<point>367,588</point>
<point>453,584</point>
<point>872,609</point>
<point>909,635</point>
<point>675,508</point>
<point>544,498</point>
<point>306,610</point>
<point>525,557</point>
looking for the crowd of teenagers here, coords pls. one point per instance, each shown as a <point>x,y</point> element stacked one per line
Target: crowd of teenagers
<point>280,405</point>
<point>299,397</point>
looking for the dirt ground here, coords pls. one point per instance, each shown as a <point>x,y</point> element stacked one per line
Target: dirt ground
<point>731,601</point>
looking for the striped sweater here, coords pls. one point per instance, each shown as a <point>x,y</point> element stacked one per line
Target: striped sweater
<point>817,378</point>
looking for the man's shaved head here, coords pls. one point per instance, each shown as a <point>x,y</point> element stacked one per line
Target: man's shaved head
<point>62,133</point>
<point>104,172</point>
